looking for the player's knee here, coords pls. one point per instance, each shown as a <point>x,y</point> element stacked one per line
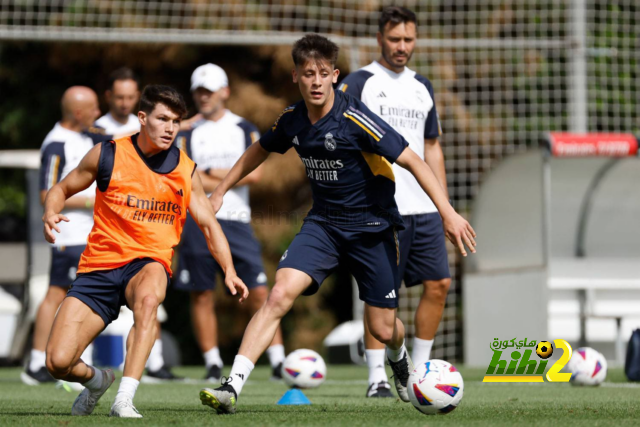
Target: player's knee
<point>279,301</point>
<point>437,290</point>
<point>58,364</point>
<point>147,308</point>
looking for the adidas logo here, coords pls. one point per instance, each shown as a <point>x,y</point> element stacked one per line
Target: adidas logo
<point>391,294</point>
<point>295,140</point>
<point>241,376</point>
<point>180,193</point>
<point>382,95</point>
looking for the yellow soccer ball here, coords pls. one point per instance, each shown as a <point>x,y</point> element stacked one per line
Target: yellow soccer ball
<point>544,349</point>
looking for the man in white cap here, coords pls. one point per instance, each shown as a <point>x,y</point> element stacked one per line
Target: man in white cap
<point>215,143</point>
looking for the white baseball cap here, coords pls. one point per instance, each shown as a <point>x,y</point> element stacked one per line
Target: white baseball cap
<point>210,77</point>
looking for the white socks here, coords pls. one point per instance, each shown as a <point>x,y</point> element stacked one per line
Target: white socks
<point>240,372</point>
<point>421,350</point>
<point>155,361</point>
<point>95,383</point>
<point>37,361</point>
<point>376,362</point>
<point>212,357</point>
<point>127,389</point>
<point>396,355</point>
<point>275,354</point>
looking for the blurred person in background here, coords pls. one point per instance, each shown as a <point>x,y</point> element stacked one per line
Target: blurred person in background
<point>215,143</point>
<point>122,97</point>
<point>63,148</point>
<point>405,100</point>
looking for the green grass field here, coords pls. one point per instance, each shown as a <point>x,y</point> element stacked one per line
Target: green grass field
<point>338,402</point>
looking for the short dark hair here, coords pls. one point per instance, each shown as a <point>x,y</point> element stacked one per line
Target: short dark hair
<point>160,94</point>
<point>123,73</point>
<point>314,47</point>
<point>396,15</point>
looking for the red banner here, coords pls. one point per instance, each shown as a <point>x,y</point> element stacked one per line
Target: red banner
<point>593,144</point>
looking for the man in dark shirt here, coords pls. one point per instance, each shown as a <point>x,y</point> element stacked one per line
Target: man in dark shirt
<point>347,152</point>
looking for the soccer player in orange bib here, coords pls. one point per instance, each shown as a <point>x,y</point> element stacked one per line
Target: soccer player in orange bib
<point>145,185</point>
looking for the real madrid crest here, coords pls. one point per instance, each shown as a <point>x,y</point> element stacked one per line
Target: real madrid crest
<point>329,142</point>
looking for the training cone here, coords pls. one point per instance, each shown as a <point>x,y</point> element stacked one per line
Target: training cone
<point>294,396</point>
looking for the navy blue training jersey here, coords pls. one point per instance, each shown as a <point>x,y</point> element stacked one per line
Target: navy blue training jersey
<point>347,155</point>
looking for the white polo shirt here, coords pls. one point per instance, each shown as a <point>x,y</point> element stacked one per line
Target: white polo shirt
<point>113,127</point>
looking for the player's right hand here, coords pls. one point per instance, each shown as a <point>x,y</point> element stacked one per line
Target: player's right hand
<point>460,233</point>
<point>50,224</point>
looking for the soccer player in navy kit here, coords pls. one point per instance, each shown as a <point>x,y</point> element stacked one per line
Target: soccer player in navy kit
<point>215,143</point>
<point>347,152</point>
<point>405,100</point>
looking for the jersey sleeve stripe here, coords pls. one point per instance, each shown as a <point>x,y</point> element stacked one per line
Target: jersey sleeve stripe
<point>343,87</point>
<point>54,164</point>
<point>286,110</point>
<point>379,165</point>
<point>366,120</point>
<point>366,129</point>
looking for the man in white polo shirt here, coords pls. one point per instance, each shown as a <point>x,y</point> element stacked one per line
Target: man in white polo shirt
<point>122,97</point>
<point>405,100</point>
<point>215,143</point>
<point>63,148</point>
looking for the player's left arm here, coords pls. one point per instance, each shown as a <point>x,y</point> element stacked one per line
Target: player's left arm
<point>202,212</point>
<point>374,135</point>
<point>456,228</point>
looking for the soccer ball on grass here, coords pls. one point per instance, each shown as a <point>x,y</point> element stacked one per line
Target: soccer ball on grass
<point>304,369</point>
<point>587,367</point>
<point>435,387</point>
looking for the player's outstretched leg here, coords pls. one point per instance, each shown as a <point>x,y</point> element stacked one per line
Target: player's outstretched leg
<point>77,325</point>
<point>275,352</point>
<point>290,284</point>
<point>389,330</point>
<point>144,293</point>
<point>428,316</point>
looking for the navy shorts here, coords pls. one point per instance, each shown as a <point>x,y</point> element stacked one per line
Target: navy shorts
<point>64,265</point>
<point>103,291</point>
<point>371,257</point>
<point>423,252</point>
<point>197,270</point>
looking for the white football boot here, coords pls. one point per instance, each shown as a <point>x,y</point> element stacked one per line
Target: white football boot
<point>124,409</point>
